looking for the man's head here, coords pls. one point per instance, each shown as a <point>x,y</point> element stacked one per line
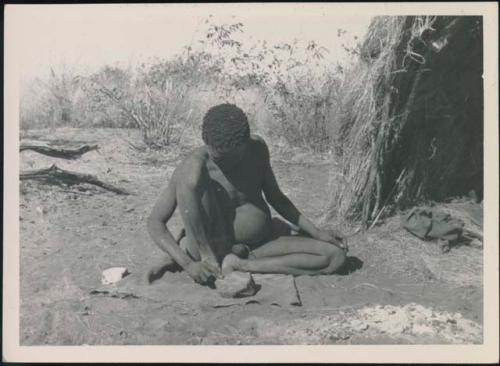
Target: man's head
<point>226,132</point>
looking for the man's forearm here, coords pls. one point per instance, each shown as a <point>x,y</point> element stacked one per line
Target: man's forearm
<point>306,225</point>
<point>166,242</point>
<point>287,209</point>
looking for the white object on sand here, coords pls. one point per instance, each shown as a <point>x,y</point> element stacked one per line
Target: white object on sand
<point>113,275</point>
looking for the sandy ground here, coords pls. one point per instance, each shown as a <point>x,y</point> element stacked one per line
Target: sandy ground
<point>401,289</point>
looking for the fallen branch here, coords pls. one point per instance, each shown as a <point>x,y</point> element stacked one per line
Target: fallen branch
<point>59,153</point>
<point>58,175</point>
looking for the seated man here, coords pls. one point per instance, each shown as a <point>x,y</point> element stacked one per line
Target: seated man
<point>219,190</point>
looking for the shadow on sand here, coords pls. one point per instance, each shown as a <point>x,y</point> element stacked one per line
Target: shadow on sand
<point>351,264</point>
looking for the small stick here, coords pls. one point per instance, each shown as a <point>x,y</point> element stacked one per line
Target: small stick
<point>353,306</point>
<point>377,288</point>
<point>85,325</point>
<point>377,217</point>
<point>76,192</point>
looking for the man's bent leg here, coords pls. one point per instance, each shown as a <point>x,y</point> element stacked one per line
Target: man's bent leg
<point>293,255</point>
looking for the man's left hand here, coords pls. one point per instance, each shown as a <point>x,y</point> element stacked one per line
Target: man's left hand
<point>334,237</point>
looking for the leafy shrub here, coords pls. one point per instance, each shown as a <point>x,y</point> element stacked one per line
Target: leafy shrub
<point>158,106</point>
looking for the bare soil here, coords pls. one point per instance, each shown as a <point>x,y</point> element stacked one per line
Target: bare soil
<point>399,289</point>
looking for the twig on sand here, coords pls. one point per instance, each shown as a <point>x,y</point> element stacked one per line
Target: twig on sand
<point>386,200</point>
<point>376,218</point>
<point>76,192</point>
<point>346,307</point>
<point>85,325</point>
<point>58,175</point>
<point>366,284</point>
<point>133,146</point>
<point>376,287</point>
<point>58,152</point>
<point>355,232</point>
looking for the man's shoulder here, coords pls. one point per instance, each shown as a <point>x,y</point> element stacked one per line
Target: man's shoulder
<point>192,164</point>
<point>260,146</point>
<point>258,139</point>
<point>197,158</point>
<point>258,142</point>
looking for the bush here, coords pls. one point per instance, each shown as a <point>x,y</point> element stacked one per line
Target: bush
<point>99,109</point>
<point>157,106</point>
<point>50,102</point>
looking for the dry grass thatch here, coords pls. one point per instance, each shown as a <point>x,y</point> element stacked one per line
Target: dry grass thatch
<point>414,126</point>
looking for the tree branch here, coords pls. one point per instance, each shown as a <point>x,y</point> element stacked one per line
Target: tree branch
<point>59,153</point>
<point>58,175</point>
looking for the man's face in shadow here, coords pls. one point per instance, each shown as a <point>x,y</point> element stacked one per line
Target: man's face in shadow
<point>227,159</point>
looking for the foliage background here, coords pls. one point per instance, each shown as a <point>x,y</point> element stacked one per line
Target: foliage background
<point>287,89</point>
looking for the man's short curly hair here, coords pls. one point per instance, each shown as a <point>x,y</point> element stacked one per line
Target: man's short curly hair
<point>225,127</point>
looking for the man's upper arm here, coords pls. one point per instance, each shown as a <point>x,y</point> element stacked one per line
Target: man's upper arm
<point>167,202</point>
<point>270,186</point>
<point>187,176</point>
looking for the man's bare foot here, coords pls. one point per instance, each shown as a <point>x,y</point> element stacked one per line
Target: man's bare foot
<point>157,271</point>
<point>230,263</point>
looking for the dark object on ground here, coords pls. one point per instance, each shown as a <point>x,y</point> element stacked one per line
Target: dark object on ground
<point>58,152</point>
<point>444,245</point>
<point>351,264</point>
<point>113,292</point>
<point>59,176</point>
<point>156,275</point>
<point>430,224</point>
<point>236,284</point>
<point>210,283</point>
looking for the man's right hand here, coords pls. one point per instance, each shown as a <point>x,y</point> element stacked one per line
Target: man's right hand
<point>334,237</point>
<point>200,272</point>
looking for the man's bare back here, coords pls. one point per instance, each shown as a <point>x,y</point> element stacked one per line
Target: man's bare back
<point>220,194</point>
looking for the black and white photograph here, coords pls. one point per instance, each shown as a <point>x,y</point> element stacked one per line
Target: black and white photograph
<point>251,175</point>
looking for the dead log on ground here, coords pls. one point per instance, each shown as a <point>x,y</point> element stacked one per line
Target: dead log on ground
<point>57,175</point>
<point>58,152</point>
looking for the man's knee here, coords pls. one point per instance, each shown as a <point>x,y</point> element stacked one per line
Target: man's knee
<point>336,259</point>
